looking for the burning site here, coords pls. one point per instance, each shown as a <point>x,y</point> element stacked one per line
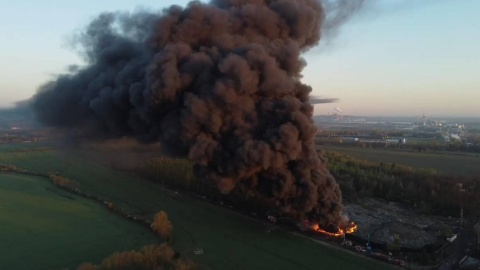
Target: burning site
<point>209,135</point>
<point>217,83</point>
<point>349,228</point>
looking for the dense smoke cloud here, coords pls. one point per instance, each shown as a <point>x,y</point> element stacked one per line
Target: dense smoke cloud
<point>218,83</point>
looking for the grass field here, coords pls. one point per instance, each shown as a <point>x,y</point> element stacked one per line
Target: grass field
<point>44,227</point>
<point>455,164</point>
<point>229,240</point>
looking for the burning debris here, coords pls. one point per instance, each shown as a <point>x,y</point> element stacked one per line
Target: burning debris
<point>350,228</point>
<point>217,83</point>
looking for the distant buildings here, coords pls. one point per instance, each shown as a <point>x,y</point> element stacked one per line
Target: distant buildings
<point>374,139</point>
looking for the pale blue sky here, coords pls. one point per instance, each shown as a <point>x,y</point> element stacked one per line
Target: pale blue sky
<point>398,57</point>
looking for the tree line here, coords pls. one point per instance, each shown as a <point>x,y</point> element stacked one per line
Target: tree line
<point>424,190</point>
<point>179,174</point>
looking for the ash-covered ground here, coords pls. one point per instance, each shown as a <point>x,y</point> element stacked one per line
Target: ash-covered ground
<point>383,221</point>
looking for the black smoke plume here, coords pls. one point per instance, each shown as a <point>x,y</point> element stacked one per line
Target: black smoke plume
<point>218,83</point>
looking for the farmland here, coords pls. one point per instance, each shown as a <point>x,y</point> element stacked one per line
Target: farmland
<point>230,240</point>
<point>43,227</point>
<point>448,163</point>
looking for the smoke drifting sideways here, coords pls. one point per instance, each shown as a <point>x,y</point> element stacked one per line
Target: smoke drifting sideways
<point>217,83</point>
<point>318,100</point>
<point>21,112</point>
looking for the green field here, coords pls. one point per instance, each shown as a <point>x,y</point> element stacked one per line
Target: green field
<point>449,163</point>
<point>229,240</point>
<point>44,227</point>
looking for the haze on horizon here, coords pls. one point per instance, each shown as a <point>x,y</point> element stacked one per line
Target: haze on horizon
<point>394,58</point>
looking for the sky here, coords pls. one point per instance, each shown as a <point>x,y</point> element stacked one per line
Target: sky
<point>393,58</point>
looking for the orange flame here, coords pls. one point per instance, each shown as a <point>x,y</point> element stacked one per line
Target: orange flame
<point>349,230</point>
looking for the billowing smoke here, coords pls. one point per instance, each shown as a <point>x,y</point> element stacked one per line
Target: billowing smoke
<point>218,83</point>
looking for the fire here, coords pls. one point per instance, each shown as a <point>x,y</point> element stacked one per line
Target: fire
<point>349,230</point>
<point>352,228</point>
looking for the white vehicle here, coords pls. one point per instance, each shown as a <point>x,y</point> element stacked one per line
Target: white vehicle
<point>360,248</point>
